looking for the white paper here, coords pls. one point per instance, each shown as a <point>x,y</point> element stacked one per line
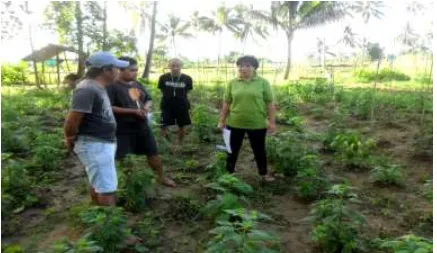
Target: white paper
<point>227,139</point>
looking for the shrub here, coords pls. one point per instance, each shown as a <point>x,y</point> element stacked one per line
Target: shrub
<point>384,75</point>
<point>310,181</point>
<point>14,73</point>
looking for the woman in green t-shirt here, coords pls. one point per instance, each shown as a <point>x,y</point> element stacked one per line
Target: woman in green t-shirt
<point>248,108</point>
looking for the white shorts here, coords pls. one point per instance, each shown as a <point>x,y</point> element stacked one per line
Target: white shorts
<point>99,161</point>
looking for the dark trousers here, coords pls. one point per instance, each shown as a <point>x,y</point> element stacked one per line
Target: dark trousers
<point>257,139</point>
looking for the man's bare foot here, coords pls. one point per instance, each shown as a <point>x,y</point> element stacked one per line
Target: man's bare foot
<point>167,182</point>
<point>268,178</point>
<point>132,240</point>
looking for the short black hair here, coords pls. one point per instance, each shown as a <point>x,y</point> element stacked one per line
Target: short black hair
<point>72,77</point>
<point>131,61</point>
<point>248,59</point>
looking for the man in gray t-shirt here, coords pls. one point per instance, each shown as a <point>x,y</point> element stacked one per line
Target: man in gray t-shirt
<point>90,126</point>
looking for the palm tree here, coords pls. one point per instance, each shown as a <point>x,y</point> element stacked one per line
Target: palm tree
<point>291,16</point>
<point>174,27</point>
<point>222,19</point>
<point>349,38</point>
<point>151,42</point>
<point>368,10</point>
<point>251,28</point>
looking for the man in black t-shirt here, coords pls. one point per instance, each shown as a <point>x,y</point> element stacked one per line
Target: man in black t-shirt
<point>131,103</point>
<point>174,104</point>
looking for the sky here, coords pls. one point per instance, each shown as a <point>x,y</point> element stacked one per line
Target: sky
<point>204,45</point>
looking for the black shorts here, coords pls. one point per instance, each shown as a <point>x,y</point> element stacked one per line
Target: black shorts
<point>175,116</point>
<point>140,143</point>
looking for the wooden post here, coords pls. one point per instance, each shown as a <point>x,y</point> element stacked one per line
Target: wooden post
<point>57,69</point>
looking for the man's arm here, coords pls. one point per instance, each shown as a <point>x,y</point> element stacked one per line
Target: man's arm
<point>71,127</point>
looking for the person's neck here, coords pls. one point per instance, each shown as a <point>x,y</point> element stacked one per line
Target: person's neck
<point>247,78</point>
<point>175,74</point>
<point>101,82</point>
<point>124,81</point>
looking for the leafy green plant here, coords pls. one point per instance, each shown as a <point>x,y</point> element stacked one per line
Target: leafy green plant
<point>218,167</point>
<point>310,182</point>
<point>229,183</point>
<point>215,208</point>
<point>287,152</point>
<point>241,234</point>
<point>388,175</point>
<point>350,147</point>
<point>48,151</point>
<point>408,243</point>
<point>150,229</point>
<point>107,226</point>
<point>135,187</point>
<point>16,188</point>
<point>13,248</point>
<point>384,75</point>
<point>14,73</point>
<point>83,245</point>
<point>204,123</point>
<point>335,225</point>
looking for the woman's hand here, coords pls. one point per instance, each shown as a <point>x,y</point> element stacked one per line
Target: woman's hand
<point>221,125</point>
<point>271,127</point>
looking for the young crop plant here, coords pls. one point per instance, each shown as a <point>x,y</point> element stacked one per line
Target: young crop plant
<point>230,184</point>
<point>388,175</point>
<point>107,226</point>
<point>83,245</point>
<point>287,152</point>
<point>310,181</point>
<point>241,234</point>
<point>203,123</point>
<point>335,225</point>
<point>218,167</point>
<point>352,149</point>
<point>408,243</point>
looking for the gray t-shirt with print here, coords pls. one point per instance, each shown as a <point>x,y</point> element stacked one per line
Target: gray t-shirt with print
<point>98,122</point>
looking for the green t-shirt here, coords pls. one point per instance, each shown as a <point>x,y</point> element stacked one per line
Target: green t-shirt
<point>248,102</point>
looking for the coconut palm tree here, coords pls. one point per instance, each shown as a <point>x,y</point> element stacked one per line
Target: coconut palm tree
<point>291,16</point>
<point>252,27</point>
<point>174,27</point>
<point>224,18</point>
<point>368,10</point>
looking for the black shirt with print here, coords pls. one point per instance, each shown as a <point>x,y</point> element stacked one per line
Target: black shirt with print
<point>118,94</point>
<point>174,90</point>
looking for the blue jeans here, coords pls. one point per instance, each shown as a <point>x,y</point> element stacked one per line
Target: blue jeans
<point>99,161</point>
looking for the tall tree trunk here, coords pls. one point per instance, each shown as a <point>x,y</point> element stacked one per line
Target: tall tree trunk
<point>173,40</point>
<point>34,63</point>
<point>244,44</point>
<point>288,67</point>
<point>105,26</point>
<point>79,24</point>
<point>219,49</point>
<point>151,42</point>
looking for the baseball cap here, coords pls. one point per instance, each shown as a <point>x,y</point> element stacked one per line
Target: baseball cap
<point>102,59</point>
